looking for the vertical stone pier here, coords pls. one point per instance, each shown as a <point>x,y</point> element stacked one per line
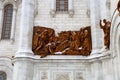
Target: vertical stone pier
<point>23,66</point>
<point>93,26</point>
<point>26,28</point>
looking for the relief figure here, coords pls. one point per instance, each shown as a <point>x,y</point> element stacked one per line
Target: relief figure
<point>66,43</point>
<point>106,30</point>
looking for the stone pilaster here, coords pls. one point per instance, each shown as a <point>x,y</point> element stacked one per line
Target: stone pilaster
<point>53,8</point>
<point>70,8</point>
<point>96,32</point>
<point>93,25</point>
<point>26,28</point>
<point>103,9</point>
<point>23,69</point>
<point>97,70</point>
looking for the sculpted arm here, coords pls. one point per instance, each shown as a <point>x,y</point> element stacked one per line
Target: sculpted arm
<point>101,26</point>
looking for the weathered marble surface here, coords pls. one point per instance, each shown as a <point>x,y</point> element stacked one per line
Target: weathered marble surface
<point>62,67</point>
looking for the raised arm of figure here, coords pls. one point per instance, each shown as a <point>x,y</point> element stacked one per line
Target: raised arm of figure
<point>101,26</point>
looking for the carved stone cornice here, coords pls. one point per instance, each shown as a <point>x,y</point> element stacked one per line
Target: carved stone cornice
<point>77,59</point>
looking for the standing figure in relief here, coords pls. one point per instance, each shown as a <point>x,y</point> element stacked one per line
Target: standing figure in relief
<point>86,44</point>
<point>106,30</point>
<point>40,40</point>
<point>118,7</point>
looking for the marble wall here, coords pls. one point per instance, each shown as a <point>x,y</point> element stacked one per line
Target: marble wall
<point>100,65</point>
<point>94,67</point>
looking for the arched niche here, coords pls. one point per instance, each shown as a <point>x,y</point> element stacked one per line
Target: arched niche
<point>115,43</point>
<point>115,34</point>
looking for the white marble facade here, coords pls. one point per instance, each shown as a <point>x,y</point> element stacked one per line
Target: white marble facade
<point>20,63</point>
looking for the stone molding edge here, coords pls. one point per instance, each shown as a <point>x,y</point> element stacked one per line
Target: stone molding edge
<point>6,61</point>
<point>63,58</point>
<point>113,33</point>
<point>54,13</point>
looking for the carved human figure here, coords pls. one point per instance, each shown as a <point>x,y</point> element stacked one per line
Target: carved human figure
<point>81,33</point>
<point>118,7</point>
<point>67,42</point>
<point>40,40</point>
<point>74,44</point>
<point>86,47</point>
<point>106,30</point>
<point>63,41</point>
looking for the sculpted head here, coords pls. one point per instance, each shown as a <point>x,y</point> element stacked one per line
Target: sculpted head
<point>104,20</point>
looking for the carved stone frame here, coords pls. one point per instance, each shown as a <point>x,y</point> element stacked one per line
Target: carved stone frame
<point>4,3</point>
<point>70,11</point>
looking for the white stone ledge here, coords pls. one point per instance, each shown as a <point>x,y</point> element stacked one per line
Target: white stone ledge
<point>65,58</point>
<point>6,62</point>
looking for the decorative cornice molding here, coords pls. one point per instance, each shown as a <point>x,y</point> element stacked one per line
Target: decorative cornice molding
<point>14,2</point>
<point>62,58</point>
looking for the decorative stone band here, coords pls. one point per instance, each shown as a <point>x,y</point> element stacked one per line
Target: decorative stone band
<point>64,58</point>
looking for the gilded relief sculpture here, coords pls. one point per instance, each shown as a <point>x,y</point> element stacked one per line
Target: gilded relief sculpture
<point>118,7</point>
<point>66,43</point>
<point>106,30</point>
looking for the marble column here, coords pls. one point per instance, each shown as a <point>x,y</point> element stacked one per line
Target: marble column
<point>26,28</point>
<point>23,66</point>
<point>13,25</point>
